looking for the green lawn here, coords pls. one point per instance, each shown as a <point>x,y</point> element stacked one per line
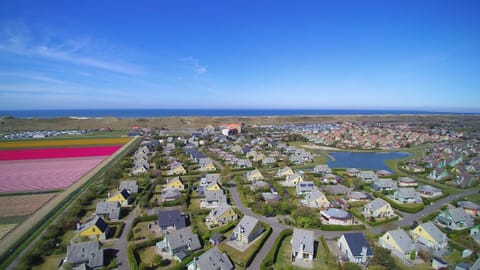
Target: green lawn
<point>141,231</point>
<point>239,258</point>
<point>49,262</point>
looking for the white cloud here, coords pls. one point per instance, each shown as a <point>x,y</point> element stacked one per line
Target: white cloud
<point>194,63</point>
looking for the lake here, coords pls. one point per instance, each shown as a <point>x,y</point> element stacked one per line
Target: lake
<point>364,160</point>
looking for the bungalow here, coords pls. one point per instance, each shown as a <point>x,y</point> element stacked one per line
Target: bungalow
<point>367,176</point>
<point>220,215</point>
<point>455,218</point>
<point>96,228</point>
<point>337,189</point>
<point>244,163</point>
<point>329,179</point>
<point>207,181</point>
<point>130,185</point>
<point>206,165</point>
<point>254,175</point>
<point>213,198</point>
<point>122,197</point>
<point>427,234</point>
<point>270,197</point>
<point>438,174</point>
<point>110,209</point>
<point>378,208</point>
<point>357,196</point>
<point>85,253</point>
<point>334,216</point>
<point>179,243</point>
<point>247,230</point>
<point>268,161</point>
<point>383,173</point>
<point>175,183</point>
<point>355,247</point>
<point>170,220</point>
<point>399,243</point>
<point>382,184</point>
<point>211,259</point>
<point>260,185</point>
<point>322,169</point>
<point>292,180</point>
<point>407,195</point>
<point>303,246</point>
<point>316,199</point>
<point>304,188</point>
<point>169,195</point>
<point>407,182</point>
<point>283,172</point>
<point>469,207</point>
<point>176,169</point>
<point>353,172</point>
<point>428,191</point>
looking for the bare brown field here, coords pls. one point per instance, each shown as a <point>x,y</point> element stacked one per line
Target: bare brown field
<point>8,124</point>
<point>22,205</point>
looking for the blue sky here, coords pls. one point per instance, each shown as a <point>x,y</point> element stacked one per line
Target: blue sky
<point>240,54</point>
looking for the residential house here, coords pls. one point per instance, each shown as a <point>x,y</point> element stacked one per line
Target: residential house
<point>353,172</point>
<point>283,172</point>
<point>169,220</point>
<point>357,196</point>
<point>270,197</point>
<point>96,228</point>
<point>407,195</point>
<point>211,181</point>
<point>169,195</point>
<point>334,216</point>
<point>175,183</point>
<point>329,178</point>
<point>455,219</point>
<point>439,264</point>
<point>130,185</point>
<point>428,191</point>
<point>254,175</point>
<point>367,176</point>
<point>355,247</point>
<point>211,259</point>
<point>384,184</point>
<point>428,235</point>
<point>303,246</point>
<point>304,188</point>
<point>179,243</point>
<point>337,189</point>
<point>213,198</point>
<point>244,163</point>
<point>247,230</point>
<point>206,165</point>
<point>438,174</point>
<point>220,215</point>
<point>108,209</point>
<point>122,197</point>
<point>322,169</point>
<point>399,243</point>
<point>292,180</point>
<point>378,208</point>
<point>316,199</point>
<point>469,207</point>
<point>262,185</point>
<point>176,169</point>
<point>268,161</point>
<point>406,182</point>
<point>85,253</point>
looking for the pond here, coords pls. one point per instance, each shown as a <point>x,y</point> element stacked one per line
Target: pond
<point>364,160</point>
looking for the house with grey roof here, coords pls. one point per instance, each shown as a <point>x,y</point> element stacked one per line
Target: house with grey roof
<point>428,191</point>
<point>367,176</point>
<point>169,220</point>
<point>378,208</point>
<point>357,196</point>
<point>428,235</point>
<point>334,216</point>
<point>268,161</point>
<point>130,185</point>
<point>322,169</point>
<point>382,184</point>
<point>108,209</point>
<point>337,189</point>
<point>305,187</point>
<point>89,253</point>
<point>222,214</point>
<point>315,199</point>
<point>282,172</point>
<point>244,163</point>
<point>211,259</point>
<point>355,247</point>
<point>169,195</point>
<point>303,246</point>
<point>407,195</point>
<point>179,243</point>
<point>213,198</point>
<point>399,243</point>
<point>247,230</point>
<point>470,208</point>
<point>455,219</point>
<point>406,182</point>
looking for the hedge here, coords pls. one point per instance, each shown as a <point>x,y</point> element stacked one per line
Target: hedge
<point>328,227</point>
<point>405,208</point>
<point>133,261</point>
<point>358,215</point>
<point>269,261</point>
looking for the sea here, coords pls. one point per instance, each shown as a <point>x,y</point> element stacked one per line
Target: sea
<point>154,113</point>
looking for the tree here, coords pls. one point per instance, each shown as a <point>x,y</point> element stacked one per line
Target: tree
<point>382,257</point>
<point>351,266</point>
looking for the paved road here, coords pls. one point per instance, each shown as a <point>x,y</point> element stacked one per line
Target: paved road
<point>408,219</point>
<point>122,242</point>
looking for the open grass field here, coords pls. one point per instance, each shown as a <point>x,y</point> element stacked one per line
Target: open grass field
<point>22,205</point>
<point>52,143</point>
<point>6,228</point>
<point>44,174</point>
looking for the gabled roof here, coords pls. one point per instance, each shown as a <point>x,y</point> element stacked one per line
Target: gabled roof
<point>434,232</point>
<point>215,195</point>
<point>303,240</point>
<point>182,238</point>
<point>170,218</point>
<point>356,241</point>
<point>293,176</point>
<point>402,239</point>
<point>315,194</point>
<point>97,221</point>
<point>213,259</point>
<point>110,208</point>
<point>129,185</point>
<point>376,204</point>
<point>336,213</point>
<point>246,225</point>
<point>220,209</point>
<point>337,189</point>
<point>85,252</point>
<point>468,205</point>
